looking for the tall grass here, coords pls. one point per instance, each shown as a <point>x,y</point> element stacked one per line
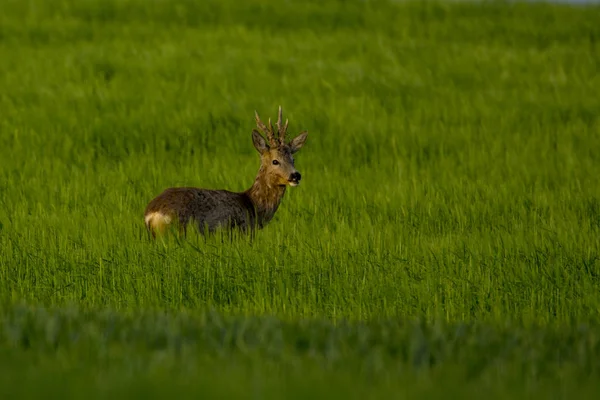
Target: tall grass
<point>104,354</point>
<point>450,173</point>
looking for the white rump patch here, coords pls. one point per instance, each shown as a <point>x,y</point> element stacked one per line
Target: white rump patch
<point>158,218</point>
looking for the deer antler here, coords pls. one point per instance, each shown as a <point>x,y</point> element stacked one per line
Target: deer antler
<point>267,131</point>
<point>281,129</point>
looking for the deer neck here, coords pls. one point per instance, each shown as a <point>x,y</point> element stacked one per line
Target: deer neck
<point>266,197</point>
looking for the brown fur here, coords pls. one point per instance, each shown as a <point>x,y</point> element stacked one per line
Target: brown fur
<point>210,209</point>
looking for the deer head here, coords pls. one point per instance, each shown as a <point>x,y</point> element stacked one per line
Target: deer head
<point>277,161</point>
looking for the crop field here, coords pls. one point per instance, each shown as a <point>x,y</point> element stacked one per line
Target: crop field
<point>444,241</point>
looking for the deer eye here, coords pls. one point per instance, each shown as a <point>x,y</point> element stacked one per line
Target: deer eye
<point>275,162</point>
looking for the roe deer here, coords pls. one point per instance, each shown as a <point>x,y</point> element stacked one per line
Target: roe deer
<point>210,209</point>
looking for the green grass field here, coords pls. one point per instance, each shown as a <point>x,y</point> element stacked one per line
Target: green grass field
<point>445,239</point>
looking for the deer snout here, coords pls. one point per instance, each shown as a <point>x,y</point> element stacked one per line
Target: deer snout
<point>295,178</point>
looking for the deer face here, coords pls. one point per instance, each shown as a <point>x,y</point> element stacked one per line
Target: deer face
<point>277,161</point>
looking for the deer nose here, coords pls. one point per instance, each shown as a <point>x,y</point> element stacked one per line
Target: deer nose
<point>295,176</point>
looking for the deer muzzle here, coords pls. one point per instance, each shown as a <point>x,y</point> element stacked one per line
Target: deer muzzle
<point>294,178</point>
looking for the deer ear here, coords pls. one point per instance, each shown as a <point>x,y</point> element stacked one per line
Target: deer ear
<point>297,142</point>
<point>259,142</point>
